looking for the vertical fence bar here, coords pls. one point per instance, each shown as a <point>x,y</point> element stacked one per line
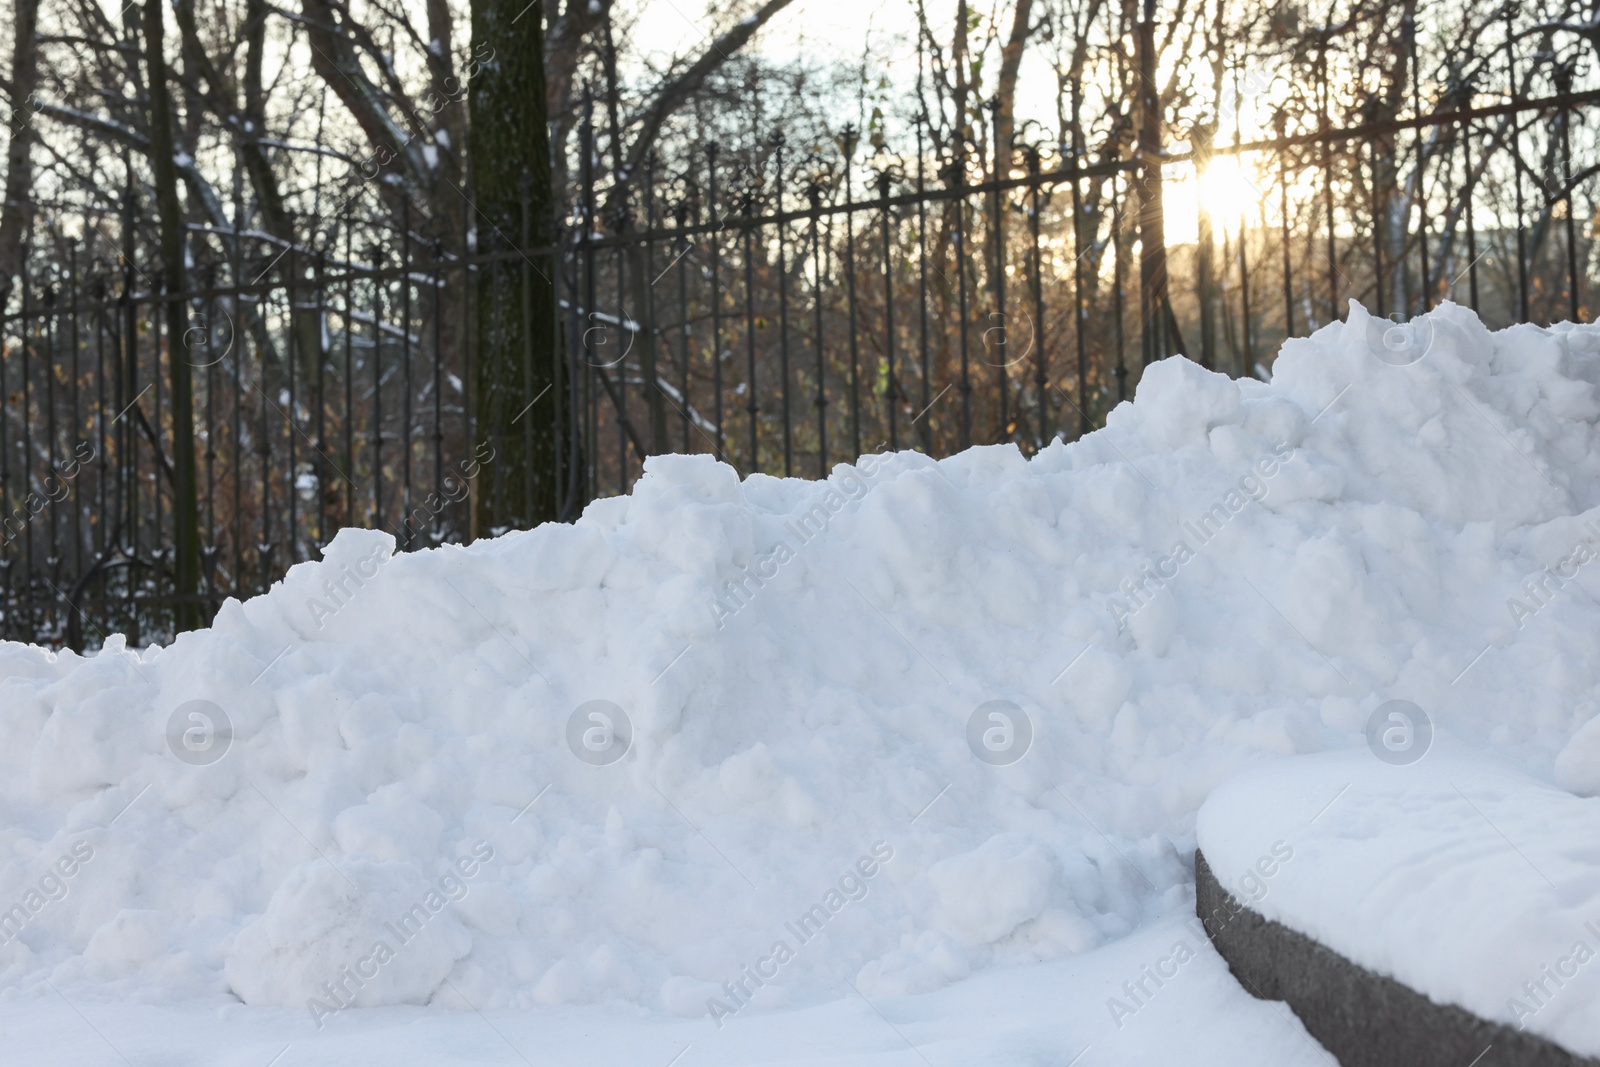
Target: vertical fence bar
<point>1326,129</point>
<point>1422,169</point>
<point>620,259</point>
<point>7,542</point>
<point>349,376</point>
<point>405,355</point>
<point>922,295</point>
<point>586,248</point>
<point>1246,357</point>
<point>1283,194</point>
<point>1246,354</point>
<point>1380,300</point>
<point>1080,312</point>
<point>560,376</point>
<point>716,298</point>
<point>1471,177</point>
<point>491,249</point>
<point>7,494</point>
<point>52,557</point>
<point>1003,432</point>
<point>1118,312</point>
<point>320,467</point>
<point>1512,94</point>
<point>752,404</point>
<point>236,255</point>
<point>75,433</point>
<point>783,316</point>
<point>850,295</point>
<point>264,453</point>
<point>649,329</point>
<point>891,385</point>
<point>128,374</point>
<point>1571,206</point>
<point>1205,264</point>
<point>959,205</point>
<point>291,473</point>
<point>525,311</point>
<point>437,283</point>
<point>76,436</point>
<point>209,547</point>
<point>25,466</point>
<point>1043,432</point>
<point>578,382</point>
<point>684,330</point>
<point>158,543</point>
<point>102,540</point>
<point>821,401</point>
<point>375,425</point>
<point>470,435</point>
<point>17,554</point>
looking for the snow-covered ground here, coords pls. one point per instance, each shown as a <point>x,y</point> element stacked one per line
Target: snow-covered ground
<point>1044,1015</point>
<point>727,759</point>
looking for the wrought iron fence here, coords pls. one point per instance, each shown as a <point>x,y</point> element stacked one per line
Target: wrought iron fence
<point>795,324</point>
<point>781,311</point>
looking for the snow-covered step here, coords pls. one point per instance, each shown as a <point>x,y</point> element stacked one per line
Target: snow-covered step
<point>1445,911</point>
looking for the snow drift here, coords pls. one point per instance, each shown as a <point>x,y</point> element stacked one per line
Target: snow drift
<point>792,672</point>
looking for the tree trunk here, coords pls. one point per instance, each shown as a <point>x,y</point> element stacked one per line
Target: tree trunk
<point>18,207</point>
<point>185,506</point>
<point>519,367</point>
<point>1005,122</point>
<point>1159,325</point>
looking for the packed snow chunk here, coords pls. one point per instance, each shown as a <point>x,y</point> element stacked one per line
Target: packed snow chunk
<point>364,932</point>
<point>1457,875</point>
<point>1578,765</point>
<point>132,936</point>
<point>991,890</point>
<point>1181,402</point>
<point>399,829</point>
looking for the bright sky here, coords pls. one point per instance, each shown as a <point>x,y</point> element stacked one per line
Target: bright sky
<point>842,30</point>
<point>829,30</point>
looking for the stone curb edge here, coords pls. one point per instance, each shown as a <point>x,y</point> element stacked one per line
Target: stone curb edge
<point>1365,1019</point>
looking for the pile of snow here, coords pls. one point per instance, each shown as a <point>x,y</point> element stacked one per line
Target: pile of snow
<point>416,799</point>
<point>1459,876</point>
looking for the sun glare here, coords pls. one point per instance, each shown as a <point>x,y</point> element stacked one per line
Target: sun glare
<point>1229,191</point>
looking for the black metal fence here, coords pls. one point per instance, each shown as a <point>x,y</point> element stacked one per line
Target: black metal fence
<point>788,324</point>
<point>783,311</point>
